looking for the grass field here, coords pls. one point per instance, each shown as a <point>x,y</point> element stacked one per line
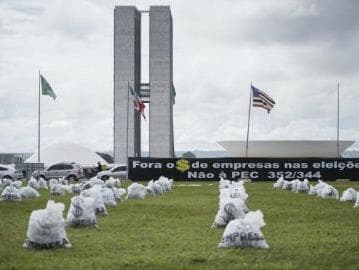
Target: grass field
<point>173,232</point>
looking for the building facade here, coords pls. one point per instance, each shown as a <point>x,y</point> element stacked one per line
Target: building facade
<point>159,92</point>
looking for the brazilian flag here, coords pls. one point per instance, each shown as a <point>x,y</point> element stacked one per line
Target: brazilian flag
<point>46,88</point>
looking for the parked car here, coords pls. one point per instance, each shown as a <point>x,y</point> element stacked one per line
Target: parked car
<point>10,173</point>
<point>71,171</point>
<point>117,171</point>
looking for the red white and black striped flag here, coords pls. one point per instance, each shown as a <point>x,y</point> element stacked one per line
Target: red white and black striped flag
<point>138,103</point>
<point>261,99</point>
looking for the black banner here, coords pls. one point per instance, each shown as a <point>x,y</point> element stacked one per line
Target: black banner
<point>260,169</point>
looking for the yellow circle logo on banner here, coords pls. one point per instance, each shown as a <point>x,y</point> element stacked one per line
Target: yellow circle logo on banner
<point>182,165</point>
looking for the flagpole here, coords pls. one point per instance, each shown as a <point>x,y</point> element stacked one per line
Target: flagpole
<point>128,98</point>
<point>338,154</point>
<point>249,117</point>
<point>38,128</point>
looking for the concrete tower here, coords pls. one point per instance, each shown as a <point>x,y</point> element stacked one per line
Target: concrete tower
<point>127,72</point>
<point>161,82</point>
<point>159,92</point>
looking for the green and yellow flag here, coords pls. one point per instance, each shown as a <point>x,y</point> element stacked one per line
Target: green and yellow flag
<point>46,88</point>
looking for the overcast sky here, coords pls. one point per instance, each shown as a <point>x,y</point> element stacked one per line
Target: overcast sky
<point>296,51</point>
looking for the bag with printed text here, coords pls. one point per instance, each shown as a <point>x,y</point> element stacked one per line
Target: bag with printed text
<point>47,227</point>
<point>81,212</point>
<point>245,232</point>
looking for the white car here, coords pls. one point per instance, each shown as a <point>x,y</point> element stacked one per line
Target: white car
<point>10,173</point>
<point>118,171</point>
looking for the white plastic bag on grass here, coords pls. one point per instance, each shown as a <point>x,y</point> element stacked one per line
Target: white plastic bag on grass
<point>303,186</point>
<point>295,183</point>
<point>47,227</point>
<point>316,190</point>
<point>136,191</point>
<point>165,183</point>
<point>349,195</point>
<point>33,183</point>
<point>122,192</point>
<point>42,183</point>
<point>96,194</point>
<point>117,182</point>
<point>287,185</point>
<point>86,185</point>
<point>63,181</point>
<point>245,232</point>
<point>66,188</point>
<point>95,181</point>
<point>157,188</point>
<point>229,209</point>
<point>28,192</point>
<point>279,183</point>
<point>238,191</point>
<point>224,183</point>
<point>57,190</point>
<point>171,182</point>
<point>329,192</point>
<point>149,189</point>
<point>75,188</point>
<point>108,196</point>
<point>356,205</point>
<point>16,184</point>
<point>10,194</point>
<point>53,181</point>
<point>6,182</point>
<point>312,190</point>
<point>110,183</point>
<point>81,212</point>
<point>119,193</point>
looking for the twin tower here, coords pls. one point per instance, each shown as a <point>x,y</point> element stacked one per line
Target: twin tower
<point>159,92</point>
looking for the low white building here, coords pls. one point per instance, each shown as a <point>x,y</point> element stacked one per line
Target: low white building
<point>286,149</point>
<point>67,152</point>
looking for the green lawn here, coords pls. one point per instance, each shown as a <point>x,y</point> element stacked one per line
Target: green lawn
<point>173,232</point>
